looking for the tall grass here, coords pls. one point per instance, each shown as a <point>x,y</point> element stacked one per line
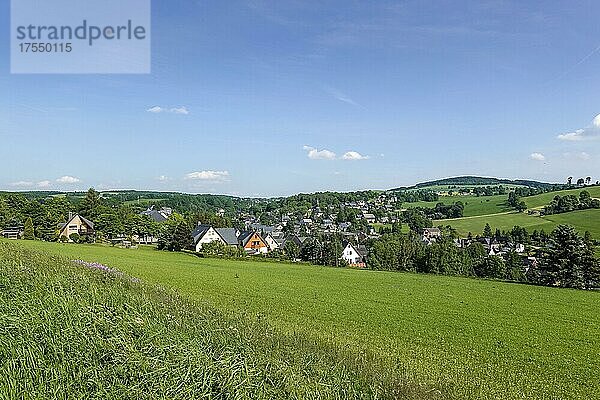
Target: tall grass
<point>70,331</point>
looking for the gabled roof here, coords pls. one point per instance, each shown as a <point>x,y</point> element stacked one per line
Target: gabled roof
<point>360,249</point>
<point>245,237</point>
<point>228,235</point>
<point>157,216</point>
<point>199,232</point>
<point>84,220</point>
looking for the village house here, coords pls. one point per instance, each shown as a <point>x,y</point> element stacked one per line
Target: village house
<point>13,232</point>
<point>229,235</point>
<point>204,234</point>
<point>271,242</point>
<point>431,235</point>
<point>253,243</point>
<point>76,224</point>
<point>355,255</point>
<point>158,215</point>
<point>370,218</point>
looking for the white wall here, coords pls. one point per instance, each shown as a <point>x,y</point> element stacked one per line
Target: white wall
<point>210,236</point>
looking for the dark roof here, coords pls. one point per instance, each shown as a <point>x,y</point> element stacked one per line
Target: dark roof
<point>87,221</point>
<point>157,216</point>
<point>262,228</point>
<point>199,232</point>
<point>361,249</point>
<point>299,240</point>
<point>245,237</point>
<point>84,220</point>
<point>228,235</point>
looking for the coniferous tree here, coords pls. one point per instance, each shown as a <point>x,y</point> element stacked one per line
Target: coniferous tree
<point>29,232</point>
<point>487,231</point>
<point>564,263</point>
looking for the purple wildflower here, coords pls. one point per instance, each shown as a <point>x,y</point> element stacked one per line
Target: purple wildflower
<point>104,268</point>
<point>94,265</point>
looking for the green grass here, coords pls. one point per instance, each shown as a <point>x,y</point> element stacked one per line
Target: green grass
<point>377,226</point>
<point>474,205</point>
<point>543,199</point>
<point>70,332</point>
<point>471,339</point>
<point>584,220</point>
<point>485,205</point>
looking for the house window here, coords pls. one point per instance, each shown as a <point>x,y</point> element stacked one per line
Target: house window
<point>256,243</point>
<point>73,227</point>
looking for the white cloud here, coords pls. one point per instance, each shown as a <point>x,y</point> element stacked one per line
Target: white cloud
<point>173,110</point>
<point>537,157</point>
<point>315,154</point>
<point>180,110</point>
<point>22,184</point>
<point>207,176</point>
<point>578,156</point>
<point>354,155</point>
<point>44,184</point>
<point>68,180</point>
<point>338,95</point>
<point>588,133</point>
<point>163,178</point>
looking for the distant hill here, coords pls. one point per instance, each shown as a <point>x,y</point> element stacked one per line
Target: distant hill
<point>479,181</point>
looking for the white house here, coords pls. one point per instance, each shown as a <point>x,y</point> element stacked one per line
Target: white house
<point>354,255</point>
<point>370,218</point>
<point>205,234</point>
<point>271,242</point>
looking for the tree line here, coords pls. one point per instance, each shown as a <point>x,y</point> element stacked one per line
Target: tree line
<point>566,260</point>
<point>571,202</point>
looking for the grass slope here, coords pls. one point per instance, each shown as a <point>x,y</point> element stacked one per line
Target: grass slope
<point>543,199</point>
<point>70,332</point>
<point>584,220</point>
<point>474,205</point>
<point>469,338</point>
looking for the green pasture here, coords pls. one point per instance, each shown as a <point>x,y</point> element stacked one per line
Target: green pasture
<point>474,205</point>
<point>452,337</point>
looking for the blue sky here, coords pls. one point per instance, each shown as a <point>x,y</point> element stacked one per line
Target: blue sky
<point>264,98</point>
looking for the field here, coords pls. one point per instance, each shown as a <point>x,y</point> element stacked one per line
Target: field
<point>70,331</point>
<point>466,338</point>
<point>493,210</point>
<point>474,205</point>
<point>541,200</point>
<point>584,220</point>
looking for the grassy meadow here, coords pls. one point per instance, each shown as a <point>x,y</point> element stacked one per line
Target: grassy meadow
<point>447,337</point>
<point>583,220</point>
<point>494,210</point>
<point>541,200</point>
<point>72,332</point>
<point>474,205</point>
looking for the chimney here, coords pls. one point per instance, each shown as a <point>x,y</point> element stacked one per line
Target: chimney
<point>70,215</point>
